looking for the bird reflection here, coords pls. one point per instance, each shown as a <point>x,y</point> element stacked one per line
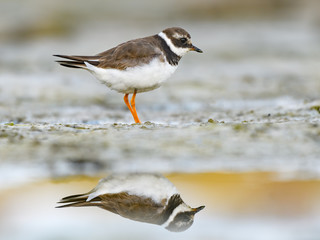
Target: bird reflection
<point>143,197</point>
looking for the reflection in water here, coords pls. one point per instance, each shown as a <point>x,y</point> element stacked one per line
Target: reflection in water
<point>143,197</point>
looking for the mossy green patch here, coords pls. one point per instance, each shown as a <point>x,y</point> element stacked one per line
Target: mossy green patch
<point>239,127</point>
<point>210,120</point>
<point>316,107</point>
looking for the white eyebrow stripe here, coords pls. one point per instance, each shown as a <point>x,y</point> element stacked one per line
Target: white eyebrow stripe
<point>177,35</point>
<point>177,50</point>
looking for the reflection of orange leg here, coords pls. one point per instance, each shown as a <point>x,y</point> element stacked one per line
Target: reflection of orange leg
<point>133,107</point>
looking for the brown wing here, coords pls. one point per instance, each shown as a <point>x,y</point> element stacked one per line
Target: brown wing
<point>130,54</point>
<point>123,204</point>
<point>133,207</point>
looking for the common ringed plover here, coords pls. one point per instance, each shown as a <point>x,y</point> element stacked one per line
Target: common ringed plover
<point>138,65</point>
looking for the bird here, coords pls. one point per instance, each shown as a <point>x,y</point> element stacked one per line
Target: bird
<point>138,65</point>
<point>143,197</point>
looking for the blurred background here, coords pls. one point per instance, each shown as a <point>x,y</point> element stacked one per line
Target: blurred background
<point>235,128</point>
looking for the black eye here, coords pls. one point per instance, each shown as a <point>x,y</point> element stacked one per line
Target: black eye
<point>183,40</point>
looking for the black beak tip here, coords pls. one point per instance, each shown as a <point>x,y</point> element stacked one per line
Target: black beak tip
<point>202,207</point>
<point>198,209</point>
<point>194,48</point>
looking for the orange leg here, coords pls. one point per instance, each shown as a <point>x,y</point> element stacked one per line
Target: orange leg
<point>127,102</point>
<point>132,108</point>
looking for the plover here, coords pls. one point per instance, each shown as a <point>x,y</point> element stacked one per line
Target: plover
<point>143,197</point>
<point>138,65</point>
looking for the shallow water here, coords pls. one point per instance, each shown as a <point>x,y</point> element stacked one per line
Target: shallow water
<point>251,205</point>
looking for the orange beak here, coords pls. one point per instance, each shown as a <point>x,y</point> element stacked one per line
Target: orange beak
<point>198,209</point>
<point>194,48</point>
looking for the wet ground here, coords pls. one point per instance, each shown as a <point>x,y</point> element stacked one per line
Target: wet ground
<point>236,107</point>
<point>242,119</point>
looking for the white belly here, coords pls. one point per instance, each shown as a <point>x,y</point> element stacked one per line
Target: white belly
<point>142,78</point>
<point>146,185</point>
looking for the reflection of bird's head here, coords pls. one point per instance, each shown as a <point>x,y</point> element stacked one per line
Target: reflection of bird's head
<point>181,218</point>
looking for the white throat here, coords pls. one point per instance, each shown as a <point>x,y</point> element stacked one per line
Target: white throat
<point>181,208</point>
<point>179,51</point>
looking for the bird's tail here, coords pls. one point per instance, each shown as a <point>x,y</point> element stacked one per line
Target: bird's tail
<point>79,200</point>
<point>78,61</point>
